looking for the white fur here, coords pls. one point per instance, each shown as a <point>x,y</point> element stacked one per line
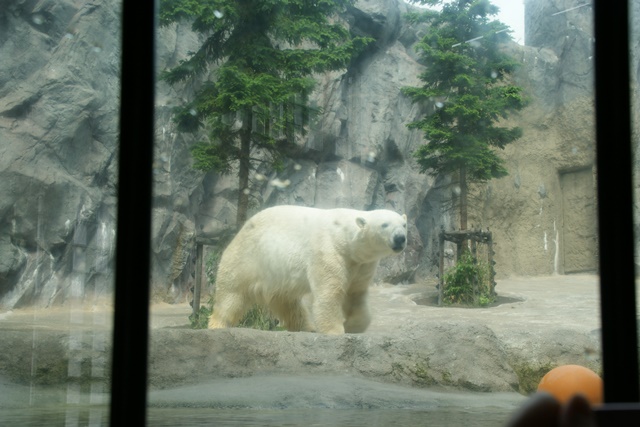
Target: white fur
<point>286,252</point>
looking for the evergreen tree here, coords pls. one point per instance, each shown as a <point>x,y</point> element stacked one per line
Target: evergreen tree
<point>261,55</point>
<point>466,81</point>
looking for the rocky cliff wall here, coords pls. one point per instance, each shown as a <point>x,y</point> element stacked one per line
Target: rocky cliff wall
<point>58,126</point>
<point>59,86</point>
<point>543,214</point>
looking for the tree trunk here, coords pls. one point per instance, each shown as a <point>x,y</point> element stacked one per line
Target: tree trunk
<point>463,198</point>
<point>464,245</point>
<point>245,166</point>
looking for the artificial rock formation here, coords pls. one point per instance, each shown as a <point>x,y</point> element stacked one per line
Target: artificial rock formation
<point>58,158</point>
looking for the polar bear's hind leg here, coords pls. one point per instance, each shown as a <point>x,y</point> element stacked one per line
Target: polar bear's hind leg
<point>292,315</point>
<point>228,310</point>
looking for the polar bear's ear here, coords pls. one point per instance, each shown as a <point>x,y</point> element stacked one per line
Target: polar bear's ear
<point>361,222</point>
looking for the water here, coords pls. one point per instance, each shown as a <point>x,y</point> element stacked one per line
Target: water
<point>329,417</point>
<point>268,401</point>
<point>98,416</point>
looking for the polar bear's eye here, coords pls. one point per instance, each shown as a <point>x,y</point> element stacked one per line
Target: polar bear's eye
<point>385,225</point>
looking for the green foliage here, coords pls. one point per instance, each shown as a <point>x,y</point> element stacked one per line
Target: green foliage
<point>461,279</point>
<point>200,320</point>
<point>256,318</point>
<point>212,261</point>
<point>466,82</point>
<point>530,375</point>
<point>259,318</point>
<point>258,58</point>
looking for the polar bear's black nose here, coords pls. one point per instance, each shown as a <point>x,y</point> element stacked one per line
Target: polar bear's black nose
<point>399,241</point>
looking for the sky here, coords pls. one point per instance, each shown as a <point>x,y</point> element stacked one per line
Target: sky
<point>512,14</point>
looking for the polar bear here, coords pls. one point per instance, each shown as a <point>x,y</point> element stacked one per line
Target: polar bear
<point>285,253</point>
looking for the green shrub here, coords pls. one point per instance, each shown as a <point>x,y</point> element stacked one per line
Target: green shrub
<point>259,318</point>
<point>256,318</point>
<point>200,319</point>
<point>459,282</point>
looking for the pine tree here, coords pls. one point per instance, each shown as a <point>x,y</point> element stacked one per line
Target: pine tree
<point>262,55</point>
<point>466,80</point>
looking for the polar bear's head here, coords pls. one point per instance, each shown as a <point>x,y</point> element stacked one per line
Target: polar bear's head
<point>383,231</point>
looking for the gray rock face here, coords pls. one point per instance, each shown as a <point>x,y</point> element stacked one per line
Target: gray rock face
<point>423,358</point>
<point>58,127</point>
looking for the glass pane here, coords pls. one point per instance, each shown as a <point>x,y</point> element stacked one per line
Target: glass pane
<point>59,62</point>
<point>355,143</point>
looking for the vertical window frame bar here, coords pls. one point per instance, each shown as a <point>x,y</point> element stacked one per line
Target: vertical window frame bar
<point>615,207</point>
<point>133,236</point>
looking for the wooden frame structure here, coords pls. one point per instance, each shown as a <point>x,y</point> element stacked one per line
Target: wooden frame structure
<point>201,242</point>
<point>460,239</point>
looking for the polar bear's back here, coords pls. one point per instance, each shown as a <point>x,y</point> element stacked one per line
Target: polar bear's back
<point>300,223</point>
<point>292,217</point>
<point>279,243</point>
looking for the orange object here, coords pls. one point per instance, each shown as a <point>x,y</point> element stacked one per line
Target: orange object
<point>566,381</point>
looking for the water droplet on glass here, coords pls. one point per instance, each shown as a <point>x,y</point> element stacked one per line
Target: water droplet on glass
<point>217,14</point>
<point>371,157</point>
<point>68,36</point>
<point>96,49</point>
<point>259,177</point>
<point>456,190</point>
<point>297,167</point>
<point>439,104</point>
<point>246,191</point>
<point>37,19</point>
<point>494,74</point>
<point>193,112</point>
<point>278,183</point>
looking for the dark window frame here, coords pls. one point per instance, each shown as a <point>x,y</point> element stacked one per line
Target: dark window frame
<point>615,202</point>
<point>615,213</point>
<point>133,235</point>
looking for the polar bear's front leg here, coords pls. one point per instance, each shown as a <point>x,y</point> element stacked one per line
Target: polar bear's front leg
<point>328,289</point>
<point>327,314</point>
<point>357,313</point>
